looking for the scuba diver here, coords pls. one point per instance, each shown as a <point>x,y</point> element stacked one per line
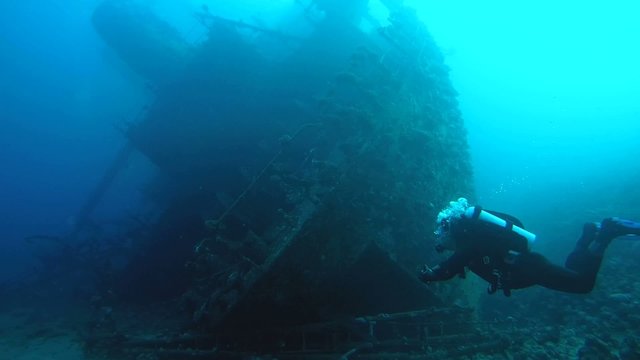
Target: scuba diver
<point>496,247</point>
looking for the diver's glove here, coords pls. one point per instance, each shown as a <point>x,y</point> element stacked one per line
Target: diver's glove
<point>427,274</point>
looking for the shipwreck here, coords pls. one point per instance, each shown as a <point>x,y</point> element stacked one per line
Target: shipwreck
<point>299,170</point>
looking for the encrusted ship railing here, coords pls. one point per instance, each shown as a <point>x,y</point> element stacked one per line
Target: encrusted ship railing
<point>439,333</point>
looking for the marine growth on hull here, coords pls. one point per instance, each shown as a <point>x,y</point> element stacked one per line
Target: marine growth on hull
<point>300,168</point>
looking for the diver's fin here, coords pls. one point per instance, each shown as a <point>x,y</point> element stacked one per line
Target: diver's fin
<point>613,227</point>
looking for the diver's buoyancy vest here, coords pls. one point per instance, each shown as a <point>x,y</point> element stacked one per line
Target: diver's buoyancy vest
<point>518,239</point>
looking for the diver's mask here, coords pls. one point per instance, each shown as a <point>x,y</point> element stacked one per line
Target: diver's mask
<point>444,240</point>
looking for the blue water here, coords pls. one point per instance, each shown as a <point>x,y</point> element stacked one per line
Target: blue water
<point>62,96</point>
<point>549,93</point>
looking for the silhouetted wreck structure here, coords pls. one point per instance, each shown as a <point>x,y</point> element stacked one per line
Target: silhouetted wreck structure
<point>299,170</point>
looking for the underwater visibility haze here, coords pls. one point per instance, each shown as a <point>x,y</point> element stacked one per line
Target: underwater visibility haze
<point>261,179</point>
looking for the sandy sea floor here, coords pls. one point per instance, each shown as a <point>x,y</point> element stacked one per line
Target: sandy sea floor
<point>31,334</point>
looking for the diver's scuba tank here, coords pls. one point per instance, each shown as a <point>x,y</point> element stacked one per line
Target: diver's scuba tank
<point>527,238</point>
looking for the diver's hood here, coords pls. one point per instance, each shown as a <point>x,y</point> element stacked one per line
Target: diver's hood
<point>446,218</point>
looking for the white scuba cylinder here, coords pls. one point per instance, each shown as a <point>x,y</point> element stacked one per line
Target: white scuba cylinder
<point>488,217</point>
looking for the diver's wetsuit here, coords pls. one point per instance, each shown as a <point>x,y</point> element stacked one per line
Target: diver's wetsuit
<point>485,249</point>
